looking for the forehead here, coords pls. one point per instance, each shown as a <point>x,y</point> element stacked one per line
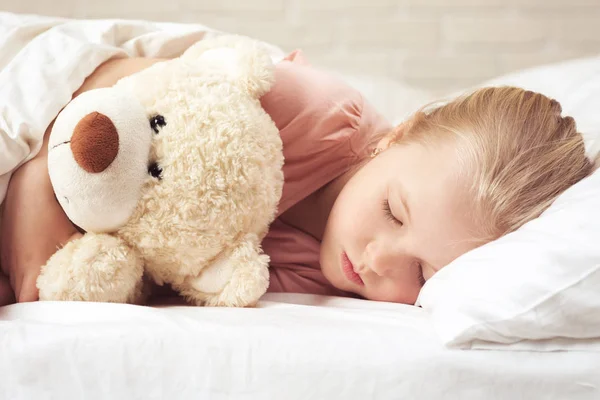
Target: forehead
<point>436,167</point>
<point>432,181</point>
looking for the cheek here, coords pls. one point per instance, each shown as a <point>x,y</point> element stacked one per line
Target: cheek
<point>340,219</point>
<point>354,208</point>
<point>397,291</point>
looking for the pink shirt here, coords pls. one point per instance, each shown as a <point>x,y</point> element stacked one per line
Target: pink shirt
<point>325,126</point>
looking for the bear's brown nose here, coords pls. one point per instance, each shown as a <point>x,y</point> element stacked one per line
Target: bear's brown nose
<point>95,142</point>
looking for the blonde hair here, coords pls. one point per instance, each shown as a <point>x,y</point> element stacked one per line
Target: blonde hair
<point>520,152</point>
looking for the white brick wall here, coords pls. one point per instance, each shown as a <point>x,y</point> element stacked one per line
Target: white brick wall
<point>436,44</point>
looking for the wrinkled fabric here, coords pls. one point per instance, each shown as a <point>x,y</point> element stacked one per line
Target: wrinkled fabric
<point>44,60</point>
<point>292,347</point>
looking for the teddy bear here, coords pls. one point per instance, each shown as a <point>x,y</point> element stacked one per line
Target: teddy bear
<point>173,175</point>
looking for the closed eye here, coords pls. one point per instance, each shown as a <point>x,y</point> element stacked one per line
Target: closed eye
<point>388,213</point>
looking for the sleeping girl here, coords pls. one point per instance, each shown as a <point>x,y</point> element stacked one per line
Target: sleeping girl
<point>368,210</point>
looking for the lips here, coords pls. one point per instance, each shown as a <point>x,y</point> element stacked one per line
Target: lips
<point>348,270</point>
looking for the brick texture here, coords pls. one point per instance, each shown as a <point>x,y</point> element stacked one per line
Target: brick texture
<point>436,44</point>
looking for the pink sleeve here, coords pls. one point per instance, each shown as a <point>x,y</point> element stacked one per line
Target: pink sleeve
<point>295,262</point>
<point>325,126</point>
<point>317,116</point>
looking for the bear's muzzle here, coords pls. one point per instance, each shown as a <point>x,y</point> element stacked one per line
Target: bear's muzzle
<point>95,142</point>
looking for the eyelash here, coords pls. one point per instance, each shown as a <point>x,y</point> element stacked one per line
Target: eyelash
<point>388,213</point>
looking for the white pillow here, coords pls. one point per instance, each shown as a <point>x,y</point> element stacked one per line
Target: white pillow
<point>537,288</point>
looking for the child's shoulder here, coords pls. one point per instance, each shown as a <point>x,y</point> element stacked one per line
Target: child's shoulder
<point>325,125</point>
<point>301,90</point>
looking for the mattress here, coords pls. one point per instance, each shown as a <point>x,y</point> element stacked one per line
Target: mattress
<point>290,347</point>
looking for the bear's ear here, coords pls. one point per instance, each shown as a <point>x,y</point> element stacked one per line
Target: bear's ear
<point>239,60</point>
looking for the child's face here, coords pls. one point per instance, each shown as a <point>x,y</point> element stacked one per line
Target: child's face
<point>392,254</point>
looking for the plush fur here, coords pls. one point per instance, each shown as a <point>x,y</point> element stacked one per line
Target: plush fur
<point>212,178</point>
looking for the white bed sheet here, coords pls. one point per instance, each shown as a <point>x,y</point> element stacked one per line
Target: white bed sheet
<point>290,347</point>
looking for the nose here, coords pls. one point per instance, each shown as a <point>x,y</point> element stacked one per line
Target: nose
<point>95,142</point>
<point>385,259</point>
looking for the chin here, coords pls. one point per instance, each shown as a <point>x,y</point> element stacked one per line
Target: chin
<point>340,282</point>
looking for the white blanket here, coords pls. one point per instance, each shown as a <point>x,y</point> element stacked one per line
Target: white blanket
<point>290,347</point>
<point>43,61</point>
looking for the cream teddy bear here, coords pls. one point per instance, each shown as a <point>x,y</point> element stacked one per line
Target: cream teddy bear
<point>174,174</point>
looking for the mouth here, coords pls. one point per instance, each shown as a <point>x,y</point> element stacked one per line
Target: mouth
<point>348,270</point>
<point>60,144</point>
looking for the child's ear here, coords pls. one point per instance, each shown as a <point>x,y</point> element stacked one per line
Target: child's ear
<point>393,136</point>
<point>399,131</point>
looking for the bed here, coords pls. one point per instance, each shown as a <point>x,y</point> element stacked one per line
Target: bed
<point>290,346</point>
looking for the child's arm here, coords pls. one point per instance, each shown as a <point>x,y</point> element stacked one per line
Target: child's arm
<point>33,223</point>
<point>33,226</point>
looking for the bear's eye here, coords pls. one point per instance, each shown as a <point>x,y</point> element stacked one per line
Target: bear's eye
<point>155,170</point>
<point>157,122</point>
